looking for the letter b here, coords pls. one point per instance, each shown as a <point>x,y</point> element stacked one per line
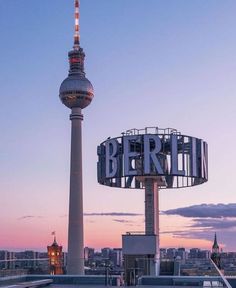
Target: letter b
<point>111,158</point>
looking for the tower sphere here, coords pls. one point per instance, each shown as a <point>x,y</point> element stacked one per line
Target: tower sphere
<point>76,91</point>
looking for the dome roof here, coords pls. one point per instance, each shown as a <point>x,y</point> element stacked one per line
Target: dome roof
<point>54,244</point>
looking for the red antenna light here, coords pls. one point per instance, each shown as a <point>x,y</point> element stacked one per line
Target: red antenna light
<point>76,35</point>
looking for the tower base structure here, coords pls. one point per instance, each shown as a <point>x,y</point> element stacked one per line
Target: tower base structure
<point>140,256</point>
<point>142,252</point>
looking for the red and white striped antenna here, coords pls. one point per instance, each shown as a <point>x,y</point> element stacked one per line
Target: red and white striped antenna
<point>76,35</point>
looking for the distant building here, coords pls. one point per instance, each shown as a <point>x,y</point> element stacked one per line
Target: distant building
<point>3,258</point>
<point>182,254</point>
<point>204,254</point>
<point>27,260</point>
<point>106,253</point>
<point>88,253</point>
<point>116,256</point>
<point>171,253</point>
<point>194,253</point>
<point>55,256</point>
<point>162,253</point>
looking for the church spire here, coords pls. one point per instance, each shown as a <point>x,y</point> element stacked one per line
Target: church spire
<point>54,238</point>
<point>215,255</point>
<point>215,246</point>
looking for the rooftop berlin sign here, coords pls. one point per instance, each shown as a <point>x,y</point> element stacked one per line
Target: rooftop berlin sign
<point>175,160</point>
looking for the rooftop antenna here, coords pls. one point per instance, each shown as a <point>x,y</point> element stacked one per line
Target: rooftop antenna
<point>54,236</point>
<point>76,35</point>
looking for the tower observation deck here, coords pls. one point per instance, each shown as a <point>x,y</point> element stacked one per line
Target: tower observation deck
<point>76,92</point>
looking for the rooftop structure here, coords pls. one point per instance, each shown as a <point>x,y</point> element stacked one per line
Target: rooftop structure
<point>151,159</point>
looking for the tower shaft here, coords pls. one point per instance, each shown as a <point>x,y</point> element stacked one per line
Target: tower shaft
<point>151,207</point>
<point>152,216</point>
<point>75,232</point>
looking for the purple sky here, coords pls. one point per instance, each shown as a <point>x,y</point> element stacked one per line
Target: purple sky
<point>152,63</point>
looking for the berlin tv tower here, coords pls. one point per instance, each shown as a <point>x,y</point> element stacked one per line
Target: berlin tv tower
<point>76,92</point>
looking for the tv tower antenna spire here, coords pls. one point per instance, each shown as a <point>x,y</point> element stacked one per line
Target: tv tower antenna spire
<point>77,27</point>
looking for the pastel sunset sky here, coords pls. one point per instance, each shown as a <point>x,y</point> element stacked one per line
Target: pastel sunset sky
<point>158,63</point>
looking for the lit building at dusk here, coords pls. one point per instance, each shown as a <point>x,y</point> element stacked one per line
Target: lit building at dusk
<point>55,257</point>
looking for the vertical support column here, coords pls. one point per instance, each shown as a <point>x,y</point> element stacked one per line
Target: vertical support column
<point>75,264</point>
<point>157,226</point>
<point>152,216</point>
<point>151,207</point>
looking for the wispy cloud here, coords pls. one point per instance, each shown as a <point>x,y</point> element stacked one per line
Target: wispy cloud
<point>205,211</point>
<point>205,234</point>
<point>215,224</point>
<point>205,220</point>
<point>226,237</point>
<point>28,217</point>
<point>171,232</point>
<point>90,221</point>
<point>117,214</point>
<point>122,221</point>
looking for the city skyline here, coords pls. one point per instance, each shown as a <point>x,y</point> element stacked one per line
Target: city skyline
<point>166,64</point>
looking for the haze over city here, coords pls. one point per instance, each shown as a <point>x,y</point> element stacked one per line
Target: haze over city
<point>152,63</point>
